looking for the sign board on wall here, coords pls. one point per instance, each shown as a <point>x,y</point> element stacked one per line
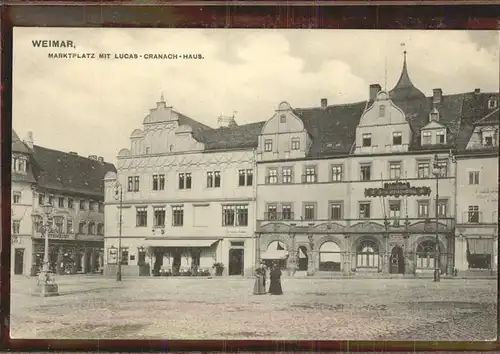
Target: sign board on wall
<point>397,189</point>
<point>55,236</point>
<point>112,255</point>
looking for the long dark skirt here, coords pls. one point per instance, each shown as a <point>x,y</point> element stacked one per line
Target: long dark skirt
<point>275,287</point>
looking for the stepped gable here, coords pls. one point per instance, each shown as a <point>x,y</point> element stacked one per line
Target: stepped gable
<point>63,171</point>
<point>332,129</point>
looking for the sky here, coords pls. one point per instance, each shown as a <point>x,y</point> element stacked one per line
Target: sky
<point>91,106</point>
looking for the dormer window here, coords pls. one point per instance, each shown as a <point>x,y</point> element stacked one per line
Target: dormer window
<point>19,164</point>
<point>367,139</point>
<point>487,137</point>
<point>381,111</point>
<point>492,104</point>
<point>283,118</point>
<point>426,138</point>
<point>441,137</point>
<point>268,145</point>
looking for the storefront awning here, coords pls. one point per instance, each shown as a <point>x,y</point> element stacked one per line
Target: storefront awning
<point>179,243</point>
<point>274,254</point>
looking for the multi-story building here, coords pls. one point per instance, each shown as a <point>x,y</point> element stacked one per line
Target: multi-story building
<point>368,186</point>
<point>187,195</point>
<point>73,185</point>
<point>477,195</point>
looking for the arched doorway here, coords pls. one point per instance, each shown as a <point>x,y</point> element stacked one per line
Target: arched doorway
<point>303,258</point>
<point>397,261</point>
<point>276,252</point>
<point>330,257</point>
<point>367,256</point>
<point>426,255</point>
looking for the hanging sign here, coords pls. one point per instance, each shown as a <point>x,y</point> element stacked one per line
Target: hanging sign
<point>397,189</point>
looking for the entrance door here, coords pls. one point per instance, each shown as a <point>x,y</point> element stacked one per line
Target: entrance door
<point>397,261</point>
<point>176,263</point>
<point>303,258</point>
<point>236,261</point>
<point>19,261</point>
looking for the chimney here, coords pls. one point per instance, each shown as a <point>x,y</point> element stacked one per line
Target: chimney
<point>93,157</point>
<point>100,159</point>
<point>29,140</point>
<point>324,103</point>
<point>374,90</point>
<point>437,95</point>
<point>73,153</point>
<point>476,91</point>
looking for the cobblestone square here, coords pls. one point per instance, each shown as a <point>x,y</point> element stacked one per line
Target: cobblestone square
<point>92,307</point>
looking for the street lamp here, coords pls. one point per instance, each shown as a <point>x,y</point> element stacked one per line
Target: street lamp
<point>436,172</point>
<point>46,283</point>
<point>119,196</point>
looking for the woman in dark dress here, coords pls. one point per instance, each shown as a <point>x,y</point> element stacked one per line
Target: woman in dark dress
<point>260,281</point>
<point>275,287</point>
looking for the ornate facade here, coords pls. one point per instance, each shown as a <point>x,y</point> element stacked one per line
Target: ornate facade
<point>73,185</point>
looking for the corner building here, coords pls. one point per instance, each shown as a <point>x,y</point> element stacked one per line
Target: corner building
<point>352,188</point>
<point>73,185</point>
<point>188,197</point>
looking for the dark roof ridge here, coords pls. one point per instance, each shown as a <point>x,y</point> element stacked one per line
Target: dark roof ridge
<point>487,116</point>
<point>332,105</point>
<point>67,153</point>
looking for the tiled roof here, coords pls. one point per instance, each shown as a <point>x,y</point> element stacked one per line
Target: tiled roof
<point>235,137</point>
<point>492,118</point>
<point>18,145</point>
<point>70,173</point>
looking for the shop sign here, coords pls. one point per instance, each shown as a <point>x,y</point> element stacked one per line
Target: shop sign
<point>56,236</point>
<point>397,189</point>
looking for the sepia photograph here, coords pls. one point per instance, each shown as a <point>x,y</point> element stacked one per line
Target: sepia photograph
<point>225,184</point>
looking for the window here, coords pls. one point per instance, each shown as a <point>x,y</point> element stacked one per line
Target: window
<point>423,208</point>
<point>487,137</point>
<point>272,176</point>
<point>492,104</point>
<point>364,210</point>
<point>286,174</point>
<point>19,164</point>
<point>188,180</point>
<point>141,216</point>
<point>61,202</point>
<point>235,215</point>
<point>124,259</point>
<point>286,212</point>
<point>442,207</point>
<point>423,169</point>
<point>58,223</point>
<point>268,145</point>
<point>474,177</point>
<point>91,228</point>
<point>442,166</point>
<point>272,212</point>
<point>16,226</point>
<point>141,257</point>
<point>295,143</point>
<point>130,184</point>
<point>394,209</point>
<point>473,214</point>
<point>283,118</point>
<point>92,205</point>
<point>100,207</point>
<point>82,204</point>
<point>309,212</point>
<point>69,226</point>
<point>441,137</point>
<point>161,182</point>
<point>228,215</point>
<point>70,203</point>
<point>367,255</point>
<point>479,253</point>
<point>397,138</point>
<point>330,257</point>
<point>159,216</point>
<point>426,138</point>
<point>52,200</point>
<point>381,111</point>
<point>366,172</point>
<point>337,173</point>
<point>395,170</point>
<point>310,175</point>
<point>184,180</point>
<point>488,141</point>
<point>217,179</point>
<point>178,215</point>
<point>426,253</point>
<point>37,222</point>
<point>245,178</point>
<point>336,211</point>
<point>136,183</point>
<point>81,227</point>
<point>210,179</point>
<point>100,229</point>
<point>16,198</point>
<point>367,139</point>
<point>155,182</point>
<point>41,199</point>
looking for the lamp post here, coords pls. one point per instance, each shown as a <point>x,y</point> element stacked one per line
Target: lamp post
<point>119,196</point>
<point>437,271</point>
<point>46,283</point>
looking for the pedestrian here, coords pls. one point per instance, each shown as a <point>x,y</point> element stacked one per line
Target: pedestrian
<point>260,280</point>
<point>275,287</point>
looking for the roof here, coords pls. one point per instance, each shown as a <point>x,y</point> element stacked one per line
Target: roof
<point>67,172</point>
<point>234,137</point>
<point>18,145</point>
<point>492,118</point>
<point>404,89</point>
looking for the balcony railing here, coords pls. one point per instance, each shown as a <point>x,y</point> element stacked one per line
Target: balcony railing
<point>279,216</point>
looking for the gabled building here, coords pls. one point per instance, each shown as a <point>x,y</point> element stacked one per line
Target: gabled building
<point>73,185</point>
<point>352,188</point>
<point>188,196</point>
